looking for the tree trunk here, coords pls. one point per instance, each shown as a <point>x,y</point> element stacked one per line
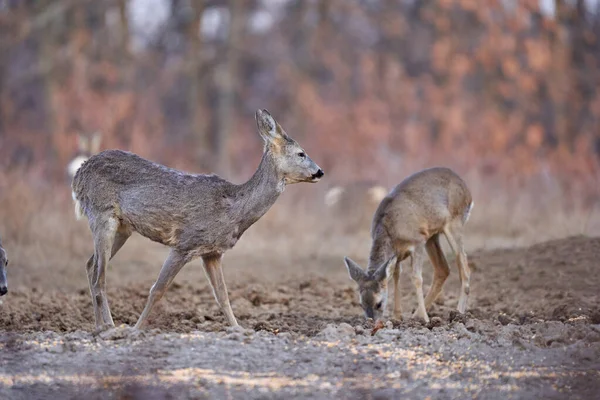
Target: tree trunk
<point>227,81</point>
<point>124,20</point>
<point>197,87</point>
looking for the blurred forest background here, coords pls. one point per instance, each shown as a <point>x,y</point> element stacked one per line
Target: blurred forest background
<point>504,91</point>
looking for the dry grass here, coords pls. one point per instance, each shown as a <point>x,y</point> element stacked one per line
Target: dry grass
<point>39,230</point>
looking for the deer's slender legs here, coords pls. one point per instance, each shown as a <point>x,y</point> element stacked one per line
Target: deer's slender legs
<point>441,270</point>
<point>172,265</point>
<point>91,269</point>
<point>441,299</point>
<point>454,237</point>
<point>104,231</point>
<point>214,272</point>
<point>397,305</point>
<point>416,258</point>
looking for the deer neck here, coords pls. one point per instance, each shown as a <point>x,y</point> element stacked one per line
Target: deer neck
<point>259,193</point>
<point>381,250</point>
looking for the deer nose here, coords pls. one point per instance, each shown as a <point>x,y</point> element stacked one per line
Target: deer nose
<point>318,174</point>
<point>3,290</point>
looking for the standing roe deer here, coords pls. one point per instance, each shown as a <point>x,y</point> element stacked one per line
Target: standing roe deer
<point>87,146</point>
<point>196,215</point>
<point>3,265</point>
<point>408,222</point>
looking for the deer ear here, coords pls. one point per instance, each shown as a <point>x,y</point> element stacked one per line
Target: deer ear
<point>268,128</point>
<point>384,272</point>
<point>354,270</point>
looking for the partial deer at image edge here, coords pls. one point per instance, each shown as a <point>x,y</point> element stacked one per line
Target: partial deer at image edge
<point>3,265</point>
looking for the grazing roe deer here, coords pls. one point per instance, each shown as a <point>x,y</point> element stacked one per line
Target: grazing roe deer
<point>196,215</point>
<point>353,204</point>
<point>87,146</point>
<point>408,223</point>
<point>3,265</point>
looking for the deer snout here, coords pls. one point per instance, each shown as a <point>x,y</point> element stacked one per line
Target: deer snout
<point>3,290</point>
<point>317,175</point>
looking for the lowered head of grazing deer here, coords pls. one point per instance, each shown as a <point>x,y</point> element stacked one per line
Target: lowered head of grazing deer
<point>195,215</point>
<point>3,265</point>
<point>408,224</point>
<point>372,286</point>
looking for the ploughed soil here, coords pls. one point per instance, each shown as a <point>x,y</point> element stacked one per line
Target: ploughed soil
<point>532,331</point>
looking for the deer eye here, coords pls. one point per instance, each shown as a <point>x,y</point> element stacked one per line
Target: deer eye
<point>302,155</point>
<point>378,305</point>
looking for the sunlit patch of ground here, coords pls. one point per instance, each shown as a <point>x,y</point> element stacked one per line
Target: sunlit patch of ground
<point>337,362</point>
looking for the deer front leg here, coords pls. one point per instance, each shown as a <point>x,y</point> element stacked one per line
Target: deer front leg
<point>397,305</point>
<point>441,270</point>
<point>173,264</point>
<point>214,272</point>
<point>104,231</point>
<point>417,267</point>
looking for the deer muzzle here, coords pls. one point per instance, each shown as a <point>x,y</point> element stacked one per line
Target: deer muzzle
<point>317,175</point>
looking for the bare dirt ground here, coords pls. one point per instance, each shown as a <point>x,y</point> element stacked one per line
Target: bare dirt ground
<point>532,331</point>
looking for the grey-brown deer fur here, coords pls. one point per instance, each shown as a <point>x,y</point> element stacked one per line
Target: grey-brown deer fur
<point>196,215</point>
<point>408,223</point>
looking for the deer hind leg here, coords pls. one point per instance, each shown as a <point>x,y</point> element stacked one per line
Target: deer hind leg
<point>171,267</point>
<point>214,272</point>
<point>397,305</point>
<point>120,239</point>
<point>417,268</point>
<point>441,270</point>
<point>454,236</point>
<point>91,267</point>
<point>104,231</point>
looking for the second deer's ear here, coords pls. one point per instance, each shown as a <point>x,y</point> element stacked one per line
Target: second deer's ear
<point>268,128</point>
<point>384,272</point>
<point>354,270</point>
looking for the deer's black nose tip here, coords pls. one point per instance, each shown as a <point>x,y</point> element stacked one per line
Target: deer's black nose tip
<point>318,174</point>
<point>3,290</point>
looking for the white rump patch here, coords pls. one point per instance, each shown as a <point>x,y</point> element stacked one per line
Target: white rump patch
<point>75,164</point>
